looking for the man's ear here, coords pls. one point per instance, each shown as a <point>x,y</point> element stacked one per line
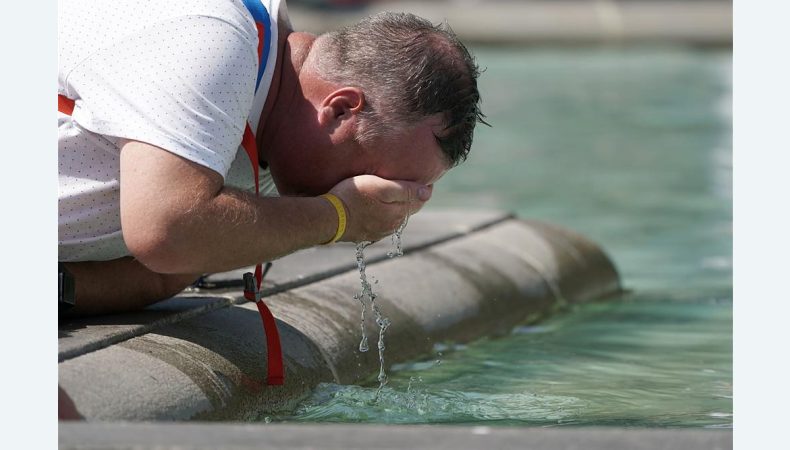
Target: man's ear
<point>341,105</point>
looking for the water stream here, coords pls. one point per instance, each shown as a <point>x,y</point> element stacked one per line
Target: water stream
<point>366,292</point>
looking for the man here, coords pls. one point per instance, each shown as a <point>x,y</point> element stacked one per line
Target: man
<point>154,187</point>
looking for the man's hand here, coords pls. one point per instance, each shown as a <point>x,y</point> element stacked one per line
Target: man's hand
<point>376,206</point>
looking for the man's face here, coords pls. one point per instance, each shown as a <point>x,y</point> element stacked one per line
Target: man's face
<point>412,154</point>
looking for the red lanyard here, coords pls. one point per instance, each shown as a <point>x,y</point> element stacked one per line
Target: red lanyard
<point>252,291</point>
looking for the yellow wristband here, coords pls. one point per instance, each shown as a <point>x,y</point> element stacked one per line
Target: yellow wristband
<point>341,216</point>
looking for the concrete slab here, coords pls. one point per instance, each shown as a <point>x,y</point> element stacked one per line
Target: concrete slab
<point>216,436</point>
<point>77,336</point>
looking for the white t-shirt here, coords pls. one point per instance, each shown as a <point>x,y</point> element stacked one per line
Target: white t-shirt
<point>178,74</point>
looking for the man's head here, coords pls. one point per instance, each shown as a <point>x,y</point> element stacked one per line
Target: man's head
<point>409,70</point>
<point>393,96</point>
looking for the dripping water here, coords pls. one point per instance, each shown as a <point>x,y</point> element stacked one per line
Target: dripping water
<point>367,293</point>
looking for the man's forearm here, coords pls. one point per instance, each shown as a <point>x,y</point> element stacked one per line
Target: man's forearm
<point>178,217</point>
<point>236,229</point>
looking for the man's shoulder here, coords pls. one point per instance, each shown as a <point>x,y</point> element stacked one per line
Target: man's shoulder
<point>86,27</point>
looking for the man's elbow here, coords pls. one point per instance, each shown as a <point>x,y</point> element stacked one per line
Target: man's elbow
<point>160,247</point>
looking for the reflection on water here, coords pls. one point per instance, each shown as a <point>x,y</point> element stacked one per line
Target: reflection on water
<point>632,148</point>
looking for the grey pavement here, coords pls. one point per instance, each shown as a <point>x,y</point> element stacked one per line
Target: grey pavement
<point>221,436</point>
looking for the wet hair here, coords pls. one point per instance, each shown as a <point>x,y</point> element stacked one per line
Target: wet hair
<point>409,70</point>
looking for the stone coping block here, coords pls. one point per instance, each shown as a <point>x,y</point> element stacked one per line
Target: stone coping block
<point>202,355</point>
<point>220,436</point>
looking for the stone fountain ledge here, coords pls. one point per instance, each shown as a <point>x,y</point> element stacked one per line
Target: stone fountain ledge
<point>202,354</point>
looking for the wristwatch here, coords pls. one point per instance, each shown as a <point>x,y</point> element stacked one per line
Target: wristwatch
<point>65,288</point>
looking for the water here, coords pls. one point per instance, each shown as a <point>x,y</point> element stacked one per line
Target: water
<point>620,363</point>
<point>631,147</point>
<point>367,292</point>
<point>397,236</point>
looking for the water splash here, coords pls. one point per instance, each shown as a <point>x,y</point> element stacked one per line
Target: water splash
<point>411,396</point>
<point>412,380</point>
<point>421,404</point>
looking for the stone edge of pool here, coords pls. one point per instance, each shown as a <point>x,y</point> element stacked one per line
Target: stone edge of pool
<point>210,364</point>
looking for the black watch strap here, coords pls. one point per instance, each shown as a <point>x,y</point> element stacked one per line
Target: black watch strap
<point>65,288</point>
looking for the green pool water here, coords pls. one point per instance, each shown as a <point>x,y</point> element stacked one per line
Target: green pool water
<point>631,147</point>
